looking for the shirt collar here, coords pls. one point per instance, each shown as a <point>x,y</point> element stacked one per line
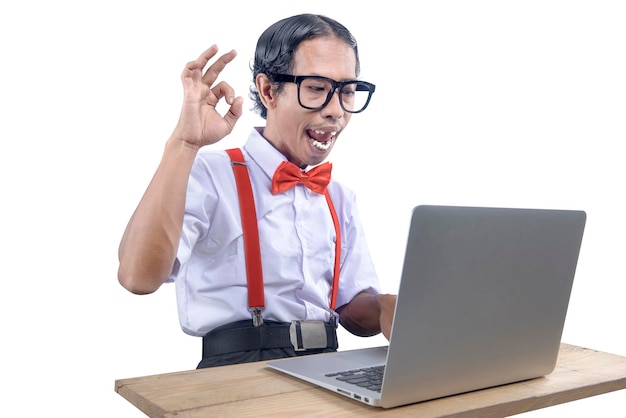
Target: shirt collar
<point>263,153</point>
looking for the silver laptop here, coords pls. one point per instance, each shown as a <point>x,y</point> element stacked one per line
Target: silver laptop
<point>482,302</point>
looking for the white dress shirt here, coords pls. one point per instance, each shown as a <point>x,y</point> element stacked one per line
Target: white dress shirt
<point>297,240</point>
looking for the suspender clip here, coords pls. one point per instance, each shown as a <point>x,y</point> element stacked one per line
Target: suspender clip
<point>334,319</point>
<point>257,316</point>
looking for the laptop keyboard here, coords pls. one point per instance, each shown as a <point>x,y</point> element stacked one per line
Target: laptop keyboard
<point>369,377</point>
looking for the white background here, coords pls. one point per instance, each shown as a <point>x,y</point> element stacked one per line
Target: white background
<point>495,103</point>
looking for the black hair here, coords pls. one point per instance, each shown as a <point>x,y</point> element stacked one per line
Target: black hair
<point>276,47</point>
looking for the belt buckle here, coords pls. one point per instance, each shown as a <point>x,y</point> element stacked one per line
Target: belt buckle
<point>307,335</point>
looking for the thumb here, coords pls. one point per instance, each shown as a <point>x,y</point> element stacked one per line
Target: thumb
<point>234,112</point>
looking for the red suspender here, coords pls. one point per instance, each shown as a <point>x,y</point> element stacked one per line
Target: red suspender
<point>335,288</point>
<point>254,270</point>
<point>249,225</point>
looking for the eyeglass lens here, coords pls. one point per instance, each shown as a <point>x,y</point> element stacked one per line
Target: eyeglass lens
<point>315,92</point>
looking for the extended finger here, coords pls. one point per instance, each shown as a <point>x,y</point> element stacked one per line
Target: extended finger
<point>216,68</point>
<point>200,62</point>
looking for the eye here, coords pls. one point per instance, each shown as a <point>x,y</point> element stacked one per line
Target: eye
<point>313,85</point>
<point>319,88</point>
<point>348,92</point>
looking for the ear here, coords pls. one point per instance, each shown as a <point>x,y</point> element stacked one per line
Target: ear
<point>266,92</point>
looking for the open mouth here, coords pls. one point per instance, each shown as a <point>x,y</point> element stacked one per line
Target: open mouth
<point>321,140</point>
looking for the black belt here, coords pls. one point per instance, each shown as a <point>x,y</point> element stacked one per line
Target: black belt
<point>244,336</point>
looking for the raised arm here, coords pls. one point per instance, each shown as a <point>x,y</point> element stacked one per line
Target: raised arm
<point>148,247</point>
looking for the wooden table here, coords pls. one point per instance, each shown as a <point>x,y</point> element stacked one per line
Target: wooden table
<point>253,390</point>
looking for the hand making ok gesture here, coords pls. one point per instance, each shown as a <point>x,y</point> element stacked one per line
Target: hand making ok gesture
<point>200,123</point>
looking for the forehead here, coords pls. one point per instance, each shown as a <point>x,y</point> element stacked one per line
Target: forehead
<point>326,56</point>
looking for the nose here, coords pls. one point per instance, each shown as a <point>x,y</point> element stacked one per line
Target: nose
<point>333,108</point>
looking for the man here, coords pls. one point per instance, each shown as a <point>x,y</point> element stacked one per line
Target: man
<point>189,225</point>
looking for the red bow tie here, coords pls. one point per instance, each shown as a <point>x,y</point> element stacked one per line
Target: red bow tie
<point>287,175</point>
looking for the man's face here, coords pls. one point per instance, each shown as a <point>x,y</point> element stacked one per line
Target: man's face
<point>304,136</point>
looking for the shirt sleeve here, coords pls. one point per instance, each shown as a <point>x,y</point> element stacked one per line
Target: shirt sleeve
<point>200,207</point>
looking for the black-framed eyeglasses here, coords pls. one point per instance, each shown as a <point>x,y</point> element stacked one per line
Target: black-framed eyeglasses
<point>315,92</point>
